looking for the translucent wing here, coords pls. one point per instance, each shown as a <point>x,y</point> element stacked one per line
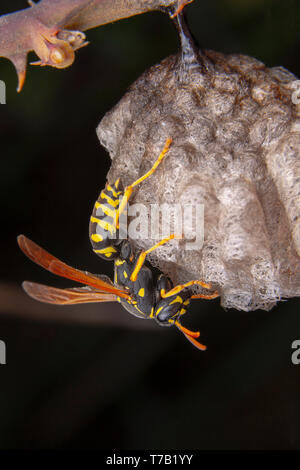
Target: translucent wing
<point>77,295</point>
<point>55,266</point>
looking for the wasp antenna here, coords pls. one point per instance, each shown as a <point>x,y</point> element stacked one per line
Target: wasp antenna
<point>196,343</point>
<point>191,336</point>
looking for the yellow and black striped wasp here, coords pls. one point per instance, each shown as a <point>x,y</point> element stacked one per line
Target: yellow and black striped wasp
<point>137,286</point>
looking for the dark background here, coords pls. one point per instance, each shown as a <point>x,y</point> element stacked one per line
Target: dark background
<point>94,377</point>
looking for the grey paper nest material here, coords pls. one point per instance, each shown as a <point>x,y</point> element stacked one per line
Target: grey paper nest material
<point>236,148</point>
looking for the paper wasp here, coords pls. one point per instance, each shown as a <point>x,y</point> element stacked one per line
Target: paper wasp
<point>137,286</point>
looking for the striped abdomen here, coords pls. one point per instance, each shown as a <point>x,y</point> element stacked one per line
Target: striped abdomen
<point>103,232</point>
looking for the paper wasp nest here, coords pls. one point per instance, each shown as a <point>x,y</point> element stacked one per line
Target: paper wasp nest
<point>236,149</point>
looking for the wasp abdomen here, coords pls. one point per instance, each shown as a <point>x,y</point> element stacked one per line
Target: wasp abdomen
<point>103,231</point>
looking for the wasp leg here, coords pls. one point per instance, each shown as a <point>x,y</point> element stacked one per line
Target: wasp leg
<point>129,189</point>
<point>214,295</point>
<point>143,254</point>
<point>180,287</point>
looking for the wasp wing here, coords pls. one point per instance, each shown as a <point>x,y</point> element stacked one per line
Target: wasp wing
<point>55,266</point>
<point>105,278</point>
<point>76,295</point>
